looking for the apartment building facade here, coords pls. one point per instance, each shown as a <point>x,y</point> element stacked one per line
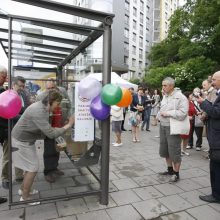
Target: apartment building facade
<point>138,24</point>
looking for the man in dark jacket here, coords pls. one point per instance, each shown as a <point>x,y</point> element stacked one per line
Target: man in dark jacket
<point>213,135</point>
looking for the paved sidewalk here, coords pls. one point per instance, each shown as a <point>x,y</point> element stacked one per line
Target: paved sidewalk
<point>136,190</point>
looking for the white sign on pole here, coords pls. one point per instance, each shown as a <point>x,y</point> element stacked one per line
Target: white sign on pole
<point>84,122</point>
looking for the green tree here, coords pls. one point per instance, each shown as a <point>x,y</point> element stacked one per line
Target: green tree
<point>191,52</point>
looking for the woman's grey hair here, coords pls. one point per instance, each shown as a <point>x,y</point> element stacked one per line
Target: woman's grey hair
<point>170,80</point>
<point>51,96</point>
<point>3,69</point>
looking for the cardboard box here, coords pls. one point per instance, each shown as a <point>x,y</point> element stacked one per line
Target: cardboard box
<point>76,149</point>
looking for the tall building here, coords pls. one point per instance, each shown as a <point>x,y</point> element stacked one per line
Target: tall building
<point>137,25</point>
<point>162,11</point>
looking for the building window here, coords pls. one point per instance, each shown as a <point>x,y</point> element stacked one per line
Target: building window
<point>166,25</point>
<point>148,8</point>
<point>166,6</point>
<point>126,47</point>
<point>133,62</point>
<point>135,11</point>
<point>148,20</point>
<point>134,24</point>
<point>127,6</point>
<point>141,42</point>
<point>126,19</point>
<point>126,33</point>
<point>133,50</point>
<point>141,29</point>
<point>141,17</point>
<point>140,53</point>
<point>140,64</point>
<point>134,35</point>
<point>147,43</point>
<point>166,16</point>
<point>126,60</point>
<point>142,6</point>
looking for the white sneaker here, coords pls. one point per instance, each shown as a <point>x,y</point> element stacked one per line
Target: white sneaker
<point>188,147</point>
<point>32,192</point>
<point>117,145</point>
<point>174,178</point>
<point>184,153</point>
<point>198,148</point>
<point>113,143</point>
<point>31,203</point>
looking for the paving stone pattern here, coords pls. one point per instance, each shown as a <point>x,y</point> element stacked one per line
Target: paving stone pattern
<point>136,191</point>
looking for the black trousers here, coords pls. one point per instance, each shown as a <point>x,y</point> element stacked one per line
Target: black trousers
<point>123,122</point>
<point>215,178</point>
<point>51,156</point>
<point>198,131</point>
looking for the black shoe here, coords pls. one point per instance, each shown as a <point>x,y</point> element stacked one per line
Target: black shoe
<point>123,129</point>
<point>58,172</point>
<point>5,184</point>
<point>147,129</point>
<point>50,178</point>
<point>209,198</point>
<point>165,173</point>
<point>2,200</point>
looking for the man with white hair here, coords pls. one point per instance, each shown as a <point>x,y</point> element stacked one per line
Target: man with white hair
<point>210,90</point>
<point>175,105</point>
<point>213,134</point>
<point>3,122</point>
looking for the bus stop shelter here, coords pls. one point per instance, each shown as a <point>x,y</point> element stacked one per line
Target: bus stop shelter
<point>58,56</point>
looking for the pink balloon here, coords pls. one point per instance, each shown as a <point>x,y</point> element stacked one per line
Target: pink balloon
<point>10,104</point>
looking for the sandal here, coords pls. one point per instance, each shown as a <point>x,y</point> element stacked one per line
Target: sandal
<point>32,192</point>
<point>31,203</point>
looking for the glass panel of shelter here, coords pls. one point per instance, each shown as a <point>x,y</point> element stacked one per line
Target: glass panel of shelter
<point>77,156</point>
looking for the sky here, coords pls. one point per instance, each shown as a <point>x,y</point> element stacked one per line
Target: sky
<point>16,8</point>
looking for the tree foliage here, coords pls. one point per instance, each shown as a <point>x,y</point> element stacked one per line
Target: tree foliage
<point>191,52</point>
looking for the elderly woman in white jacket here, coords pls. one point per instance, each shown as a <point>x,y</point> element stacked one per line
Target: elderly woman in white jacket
<point>117,118</point>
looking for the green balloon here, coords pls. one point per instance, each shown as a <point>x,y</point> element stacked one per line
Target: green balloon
<point>111,94</point>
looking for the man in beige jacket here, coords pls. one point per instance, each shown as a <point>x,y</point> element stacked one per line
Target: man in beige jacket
<point>175,105</point>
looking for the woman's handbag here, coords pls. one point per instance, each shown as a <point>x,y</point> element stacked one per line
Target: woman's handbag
<point>134,119</point>
<point>179,127</point>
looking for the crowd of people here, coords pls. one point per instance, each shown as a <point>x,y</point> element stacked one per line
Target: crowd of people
<point>47,119</point>
<point>202,110</point>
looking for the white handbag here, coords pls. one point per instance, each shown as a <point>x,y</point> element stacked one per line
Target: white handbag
<point>179,127</point>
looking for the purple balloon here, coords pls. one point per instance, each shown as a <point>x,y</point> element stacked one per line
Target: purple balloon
<point>98,109</point>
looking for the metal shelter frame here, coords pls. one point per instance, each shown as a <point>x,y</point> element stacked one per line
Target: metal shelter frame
<point>60,58</point>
